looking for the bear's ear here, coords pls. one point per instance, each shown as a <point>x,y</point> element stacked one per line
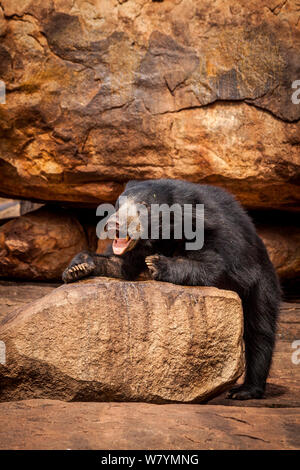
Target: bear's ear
<point>131,183</point>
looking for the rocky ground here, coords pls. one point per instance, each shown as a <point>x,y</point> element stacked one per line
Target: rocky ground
<point>46,424</point>
<point>271,423</point>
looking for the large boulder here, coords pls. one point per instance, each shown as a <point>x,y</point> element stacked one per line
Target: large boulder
<point>40,244</point>
<point>102,92</point>
<point>111,340</point>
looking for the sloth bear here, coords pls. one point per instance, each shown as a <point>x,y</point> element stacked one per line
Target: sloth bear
<point>232,257</point>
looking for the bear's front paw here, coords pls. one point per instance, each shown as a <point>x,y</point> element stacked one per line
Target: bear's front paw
<point>77,271</point>
<point>158,266</point>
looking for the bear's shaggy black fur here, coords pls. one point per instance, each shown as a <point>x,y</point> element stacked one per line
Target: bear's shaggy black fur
<point>233,257</point>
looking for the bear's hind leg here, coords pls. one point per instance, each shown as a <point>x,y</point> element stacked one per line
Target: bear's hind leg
<point>260,314</point>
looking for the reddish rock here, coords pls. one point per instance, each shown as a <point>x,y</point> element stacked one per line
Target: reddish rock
<point>14,295</point>
<point>103,93</point>
<point>47,424</point>
<point>283,245</point>
<point>102,245</point>
<point>40,244</point>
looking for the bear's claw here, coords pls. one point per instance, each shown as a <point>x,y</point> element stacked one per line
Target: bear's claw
<point>157,266</point>
<point>74,273</point>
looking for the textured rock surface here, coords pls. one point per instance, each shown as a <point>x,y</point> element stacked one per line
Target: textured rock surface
<point>10,208</point>
<point>39,245</point>
<point>14,295</point>
<point>104,339</point>
<point>48,424</point>
<point>106,91</point>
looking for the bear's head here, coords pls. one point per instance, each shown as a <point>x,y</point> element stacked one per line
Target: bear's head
<point>148,211</point>
<point>134,215</point>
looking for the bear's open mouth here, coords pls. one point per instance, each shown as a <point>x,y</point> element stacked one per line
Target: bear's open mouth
<point>122,245</point>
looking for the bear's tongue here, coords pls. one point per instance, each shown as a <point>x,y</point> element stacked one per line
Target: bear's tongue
<point>120,245</point>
